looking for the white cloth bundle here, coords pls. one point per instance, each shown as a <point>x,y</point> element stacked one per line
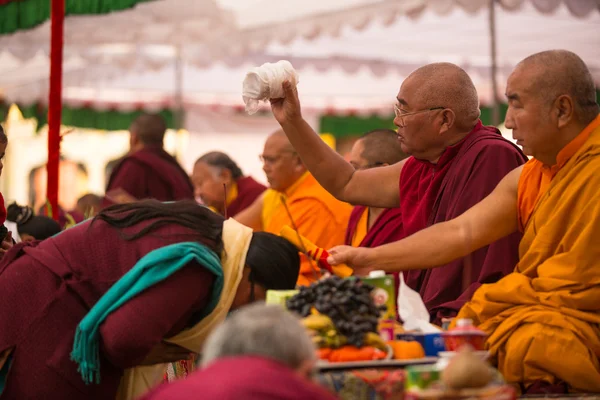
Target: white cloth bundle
<point>264,83</point>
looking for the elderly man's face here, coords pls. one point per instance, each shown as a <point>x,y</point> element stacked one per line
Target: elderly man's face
<point>281,164</point>
<point>415,120</point>
<point>529,115</point>
<point>208,185</point>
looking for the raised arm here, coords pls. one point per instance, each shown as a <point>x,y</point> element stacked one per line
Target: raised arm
<point>489,220</point>
<point>376,187</point>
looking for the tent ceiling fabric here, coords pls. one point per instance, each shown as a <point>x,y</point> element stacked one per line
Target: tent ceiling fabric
<point>360,63</point>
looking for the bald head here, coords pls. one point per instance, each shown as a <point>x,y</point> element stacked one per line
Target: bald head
<point>149,129</point>
<point>446,85</point>
<point>560,72</point>
<point>280,140</point>
<point>381,146</point>
<point>221,160</point>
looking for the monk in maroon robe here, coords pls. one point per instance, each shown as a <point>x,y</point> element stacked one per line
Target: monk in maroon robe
<point>455,163</point>
<point>221,185</point>
<point>48,287</point>
<point>148,171</point>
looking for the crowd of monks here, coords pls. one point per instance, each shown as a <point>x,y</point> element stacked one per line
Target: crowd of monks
<point>483,229</point>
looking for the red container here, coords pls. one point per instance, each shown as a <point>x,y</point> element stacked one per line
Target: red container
<point>464,333</point>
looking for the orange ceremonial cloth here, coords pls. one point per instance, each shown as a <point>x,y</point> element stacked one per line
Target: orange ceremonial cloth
<point>319,217</point>
<point>543,320</point>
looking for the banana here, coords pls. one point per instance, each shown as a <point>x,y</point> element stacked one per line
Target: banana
<point>373,339</point>
<point>318,322</point>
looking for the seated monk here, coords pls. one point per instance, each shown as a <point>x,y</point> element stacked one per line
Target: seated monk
<point>296,199</point>
<point>222,186</point>
<point>140,284</point>
<point>455,163</point>
<point>148,171</point>
<point>542,320</point>
<point>373,226</point>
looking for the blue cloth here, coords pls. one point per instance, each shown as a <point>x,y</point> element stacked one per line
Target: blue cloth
<point>153,268</point>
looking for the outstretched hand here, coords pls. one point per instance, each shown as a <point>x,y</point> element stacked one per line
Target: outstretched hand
<point>354,257</point>
<point>287,109</point>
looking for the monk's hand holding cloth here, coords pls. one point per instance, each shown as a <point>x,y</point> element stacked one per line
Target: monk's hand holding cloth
<point>287,109</point>
<point>355,257</point>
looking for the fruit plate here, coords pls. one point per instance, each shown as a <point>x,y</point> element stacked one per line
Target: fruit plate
<point>328,366</point>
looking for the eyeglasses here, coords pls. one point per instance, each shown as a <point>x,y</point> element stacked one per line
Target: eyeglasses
<point>401,114</point>
<point>273,159</point>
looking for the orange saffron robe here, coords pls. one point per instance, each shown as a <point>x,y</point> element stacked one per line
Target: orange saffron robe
<point>319,217</point>
<point>543,320</point>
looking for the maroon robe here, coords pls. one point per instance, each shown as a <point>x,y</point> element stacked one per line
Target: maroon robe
<point>248,378</point>
<point>48,287</point>
<point>386,229</point>
<point>430,193</point>
<point>248,191</point>
<point>151,173</point>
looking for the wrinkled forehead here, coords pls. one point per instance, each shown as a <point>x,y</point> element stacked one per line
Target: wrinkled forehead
<point>521,83</point>
<point>409,96</point>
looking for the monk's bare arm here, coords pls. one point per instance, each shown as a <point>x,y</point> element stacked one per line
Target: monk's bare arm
<point>252,216</point>
<point>375,187</point>
<point>491,219</point>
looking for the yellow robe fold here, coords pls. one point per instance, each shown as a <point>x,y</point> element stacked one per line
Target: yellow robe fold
<point>543,320</point>
<point>319,217</point>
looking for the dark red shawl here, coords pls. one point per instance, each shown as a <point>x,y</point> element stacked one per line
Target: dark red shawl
<point>248,191</point>
<point>430,193</point>
<point>248,378</point>
<point>48,287</point>
<point>386,229</point>
<point>151,173</point>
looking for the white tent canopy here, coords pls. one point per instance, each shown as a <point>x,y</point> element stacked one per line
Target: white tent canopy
<point>352,54</point>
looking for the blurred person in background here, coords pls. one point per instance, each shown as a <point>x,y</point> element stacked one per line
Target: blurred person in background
<point>31,227</point>
<point>297,200</point>
<point>270,351</point>
<point>148,171</point>
<point>220,183</point>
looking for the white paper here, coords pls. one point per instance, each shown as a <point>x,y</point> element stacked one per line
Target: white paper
<point>412,310</point>
<point>265,82</point>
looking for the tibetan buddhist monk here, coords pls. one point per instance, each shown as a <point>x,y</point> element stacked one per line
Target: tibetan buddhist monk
<point>543,320</point>
<point>148,171</point>
<point>140,284</point>
<point>373,226</point>
<point>221,185</point>
<point>456,162</point>
<point>297,200</point>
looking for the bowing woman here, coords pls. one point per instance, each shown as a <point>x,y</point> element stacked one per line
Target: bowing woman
<point>93,312</point>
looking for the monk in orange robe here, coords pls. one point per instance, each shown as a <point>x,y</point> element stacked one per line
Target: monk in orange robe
<point>221,185</point>
<point>542,320</point>
<point>148,171</point>
<point>296,199</point>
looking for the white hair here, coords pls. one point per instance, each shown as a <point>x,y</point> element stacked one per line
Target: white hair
<point>262,330</point>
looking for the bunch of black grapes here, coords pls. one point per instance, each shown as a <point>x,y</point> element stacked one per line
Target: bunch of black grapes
<point>347,302</point>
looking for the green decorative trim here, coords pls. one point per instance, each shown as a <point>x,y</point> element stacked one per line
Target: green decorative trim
<point>110,120</point>
<point>27,14</point>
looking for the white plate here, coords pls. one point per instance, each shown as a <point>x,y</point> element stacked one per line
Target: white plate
<point>325,365</point>
<point>449,354</point>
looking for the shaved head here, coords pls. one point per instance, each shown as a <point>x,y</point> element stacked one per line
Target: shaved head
<point>446,85</point>
<point>561,72</point>
<point>279,137</point>
<point>149,128</point>
<point>381,146</point>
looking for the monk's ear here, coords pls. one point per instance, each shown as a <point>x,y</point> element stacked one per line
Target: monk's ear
<point>448,119</point>
<point>564,109</point>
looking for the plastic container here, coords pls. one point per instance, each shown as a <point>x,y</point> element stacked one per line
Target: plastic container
<point>464,333</point>
<point>432,343</point>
